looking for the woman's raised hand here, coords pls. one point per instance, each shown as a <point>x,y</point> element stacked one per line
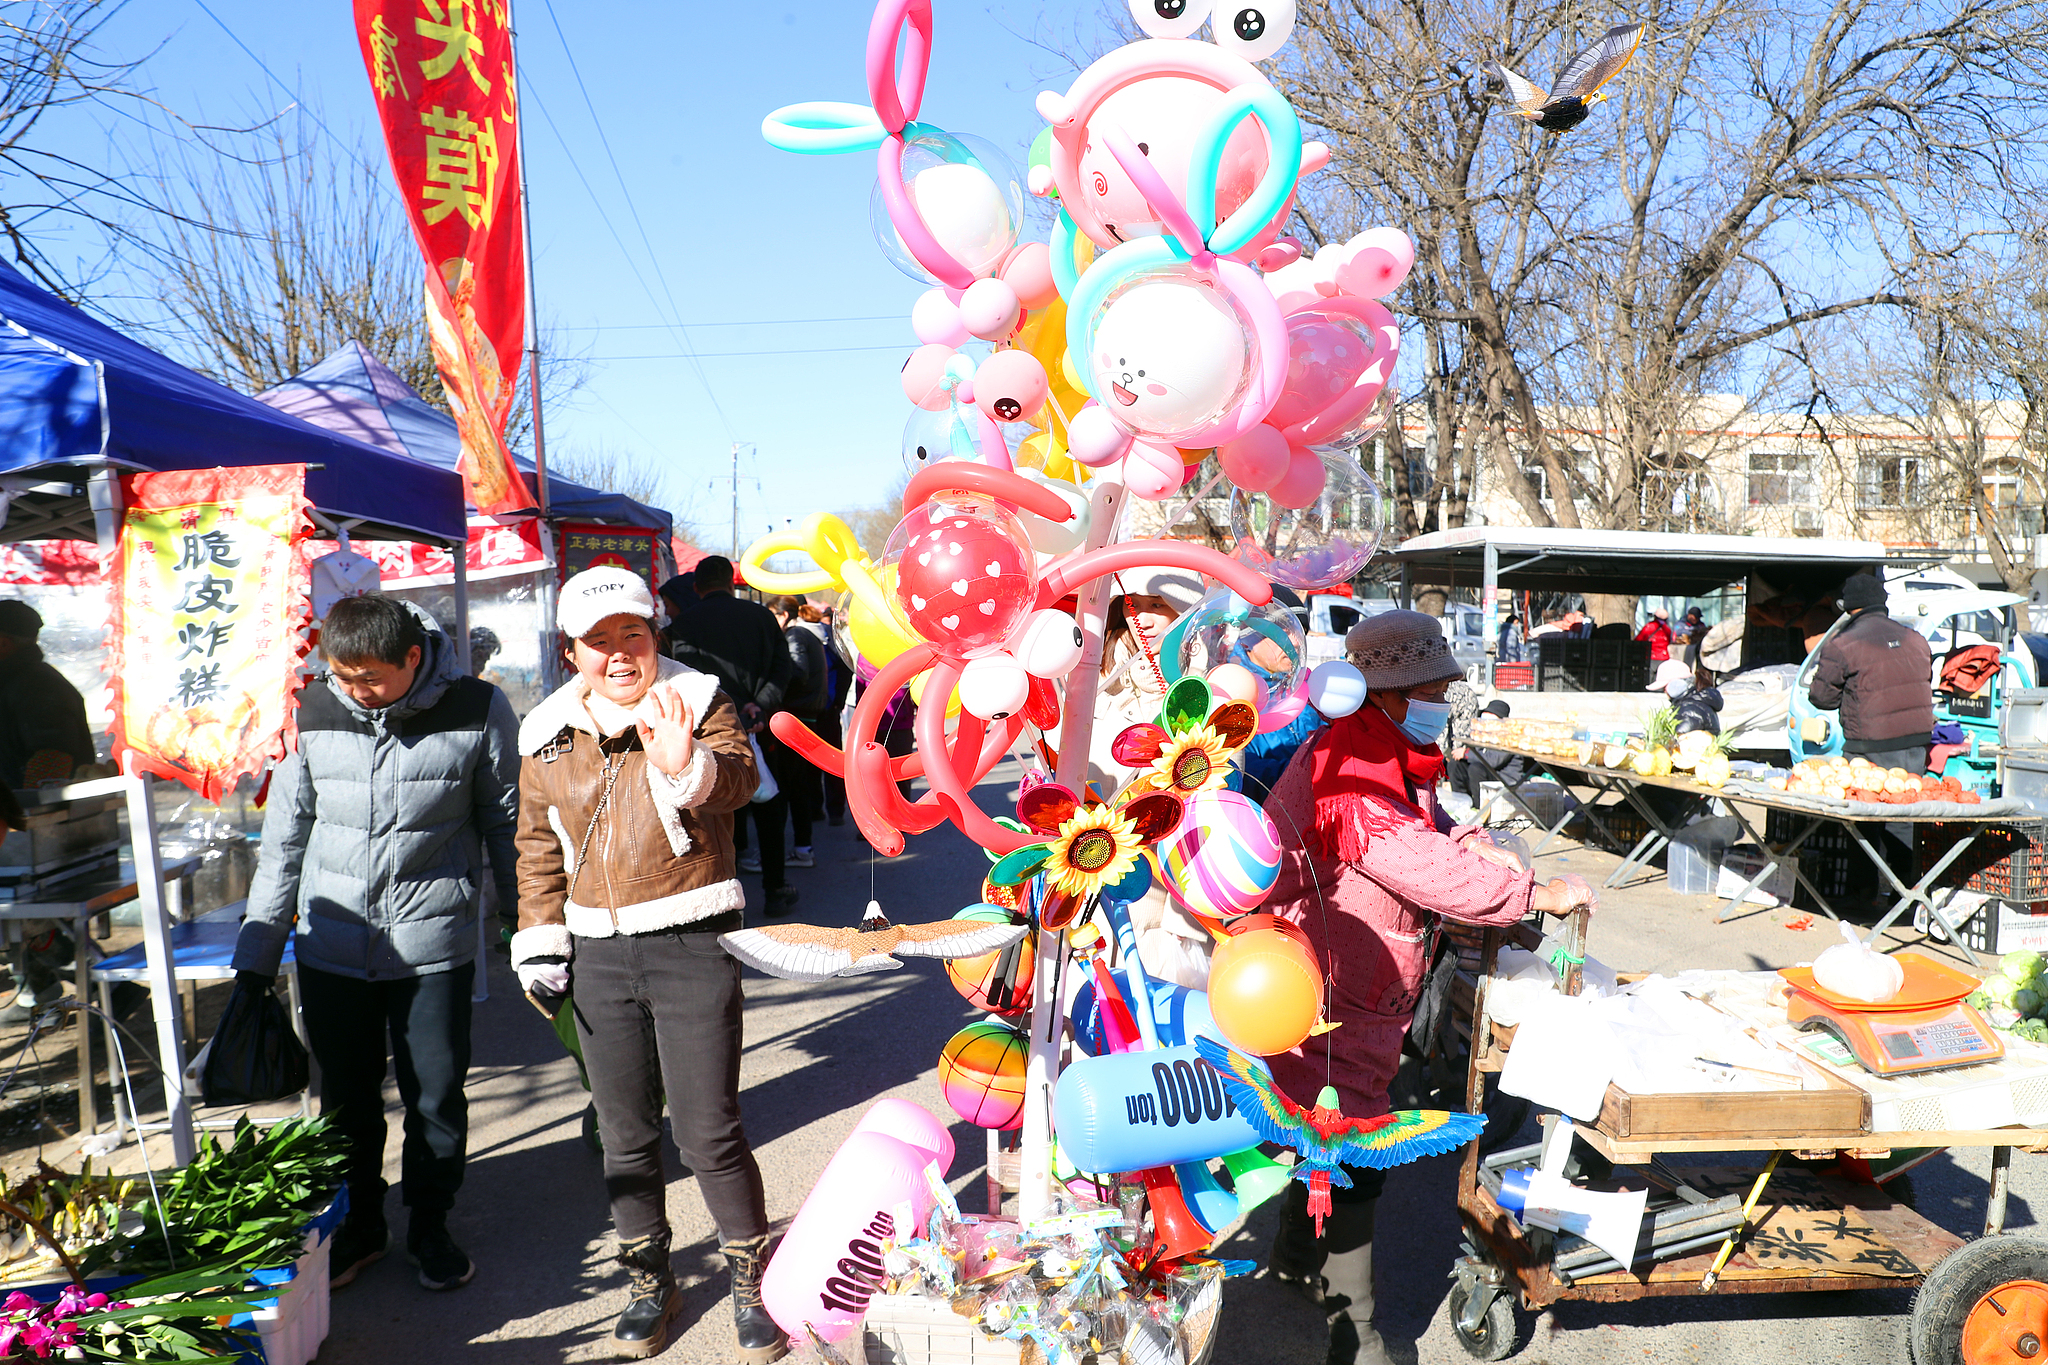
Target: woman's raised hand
<point>667,736</point>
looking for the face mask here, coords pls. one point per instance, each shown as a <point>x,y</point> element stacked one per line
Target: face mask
<point>1425,721</point>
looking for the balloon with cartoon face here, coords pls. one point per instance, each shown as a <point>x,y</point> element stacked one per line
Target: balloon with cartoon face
<point>1169,355</point>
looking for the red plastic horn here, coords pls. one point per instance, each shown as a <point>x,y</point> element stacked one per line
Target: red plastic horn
<point>1176,1233</point>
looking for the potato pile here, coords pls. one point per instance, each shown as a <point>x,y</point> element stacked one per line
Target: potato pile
<point>1858,779</point>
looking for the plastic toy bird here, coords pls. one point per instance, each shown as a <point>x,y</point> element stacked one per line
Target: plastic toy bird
<point>1326,1139</point>
<point>1577,87</point>
<point>816,952</point>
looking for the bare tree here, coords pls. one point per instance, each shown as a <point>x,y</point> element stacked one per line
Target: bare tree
<point>1762,170</point>
<point>282,245</point>
<point>47,63</point>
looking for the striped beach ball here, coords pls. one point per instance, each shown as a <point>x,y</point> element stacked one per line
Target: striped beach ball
<point>981,1072</point>
<point>1224,856</point>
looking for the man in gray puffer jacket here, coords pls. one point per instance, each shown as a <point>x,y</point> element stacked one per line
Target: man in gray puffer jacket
<point>406,770</point>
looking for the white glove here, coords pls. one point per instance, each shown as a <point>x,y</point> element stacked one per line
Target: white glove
<point>544,978</point>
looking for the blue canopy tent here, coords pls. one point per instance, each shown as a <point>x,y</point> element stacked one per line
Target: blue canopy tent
<point>76,396</point>
<point>356,394</point>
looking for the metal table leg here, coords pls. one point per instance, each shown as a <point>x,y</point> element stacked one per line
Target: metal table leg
<point>1994,1203</point>
<point>1511,790</point>
<point>1918,893</point>
<point>1776,856</point>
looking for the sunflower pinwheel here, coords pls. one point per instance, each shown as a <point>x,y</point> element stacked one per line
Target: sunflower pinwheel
<point>1087,847</point>
<point>1191,750</point>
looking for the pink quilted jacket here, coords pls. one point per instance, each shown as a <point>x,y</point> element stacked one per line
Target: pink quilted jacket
<point>1370,924</point>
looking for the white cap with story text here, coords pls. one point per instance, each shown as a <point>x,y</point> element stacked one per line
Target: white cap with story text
<point>594,594</point>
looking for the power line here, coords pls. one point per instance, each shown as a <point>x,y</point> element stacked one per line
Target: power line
<point>653,258</point>
<point>354,152</point>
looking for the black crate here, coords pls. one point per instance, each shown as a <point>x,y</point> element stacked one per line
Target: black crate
<point>1625,828</point>
<point>1591,665</point>
<point>1828,858</point>
<point>2007,861</point>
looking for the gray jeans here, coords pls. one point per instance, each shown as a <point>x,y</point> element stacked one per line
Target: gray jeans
<point>659,1014</point>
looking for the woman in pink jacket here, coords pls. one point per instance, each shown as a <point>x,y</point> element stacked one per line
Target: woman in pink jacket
<point>1369,864</point>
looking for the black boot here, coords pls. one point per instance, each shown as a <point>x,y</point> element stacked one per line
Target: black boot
<point>760,1340</point>
<point>1347,1286</point>
<point>1298,1255</point>
<point>363,1236</point>
<point>653,1301</point>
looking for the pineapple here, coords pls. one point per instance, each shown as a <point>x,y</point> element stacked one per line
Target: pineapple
<point>1692,746</point>
<point>1615,756</point>
<point>1644,763</point>
<point>1660,728</point>
<point>1661,760</point>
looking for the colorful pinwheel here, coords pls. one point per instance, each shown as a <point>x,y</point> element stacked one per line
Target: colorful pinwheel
<point>1327,1140</point>
<point>1189,751</point>
<point>1087,848</point>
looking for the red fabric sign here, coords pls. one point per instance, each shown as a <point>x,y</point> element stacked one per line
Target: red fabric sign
<point>441,71</point>
<point>210,609</point>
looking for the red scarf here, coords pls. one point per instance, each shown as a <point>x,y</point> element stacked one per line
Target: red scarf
<point>1365,755</point>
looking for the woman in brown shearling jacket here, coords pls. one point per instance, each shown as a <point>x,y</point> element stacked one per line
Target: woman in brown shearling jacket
<point>629,775</point>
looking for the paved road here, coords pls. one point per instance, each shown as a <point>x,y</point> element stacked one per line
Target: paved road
<point>533,1211</point>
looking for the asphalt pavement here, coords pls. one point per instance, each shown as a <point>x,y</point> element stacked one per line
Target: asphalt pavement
<point>533,1212</point>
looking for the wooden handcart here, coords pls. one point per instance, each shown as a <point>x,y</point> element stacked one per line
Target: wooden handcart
<point>1978,1302</point>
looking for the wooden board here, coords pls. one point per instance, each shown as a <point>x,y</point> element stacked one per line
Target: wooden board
<point>1839,1111</point>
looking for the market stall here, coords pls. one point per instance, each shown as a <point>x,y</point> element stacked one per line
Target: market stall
<point>1639,1072</point>
<point>90,412</point>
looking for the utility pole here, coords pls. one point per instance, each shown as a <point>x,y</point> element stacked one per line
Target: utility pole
<point>734,478</point>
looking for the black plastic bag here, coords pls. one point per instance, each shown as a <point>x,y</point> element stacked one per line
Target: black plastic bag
<point>254,1056</point>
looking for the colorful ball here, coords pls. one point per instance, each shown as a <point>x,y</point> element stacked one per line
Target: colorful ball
<point>1265,986</point>
<point>965,572</point>
<point>999,982</point>
<point>981,1071</point>
<point>1223,857</point>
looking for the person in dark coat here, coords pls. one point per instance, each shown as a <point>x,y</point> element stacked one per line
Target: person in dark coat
<point>1879,675</point>
<point>44,735</point>
<point>807,699</point>
<point>739,643</point>
<point>678,596</point>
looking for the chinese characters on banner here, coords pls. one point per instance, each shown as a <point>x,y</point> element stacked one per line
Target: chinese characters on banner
<point>209,601</point>
<point>624,547</point>
<point>441,71</point>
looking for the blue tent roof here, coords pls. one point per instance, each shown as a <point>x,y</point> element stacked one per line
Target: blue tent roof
<point>356,394</point>
<point>76,393</point>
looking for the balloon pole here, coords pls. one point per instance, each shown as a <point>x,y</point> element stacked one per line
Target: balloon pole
<point>1077,726</point>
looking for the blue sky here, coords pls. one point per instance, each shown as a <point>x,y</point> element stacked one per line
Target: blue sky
<point>747,238</point>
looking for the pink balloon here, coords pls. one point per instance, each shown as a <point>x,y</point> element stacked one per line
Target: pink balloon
<point>1256,460</point>
<point>1152,472</point>
<point>988,309</point>
<point>936,320</point>
<point>1010,386</point>
<point>1234,682</point>
<point>1282,715</point>
<point>1094,440</point>
<point>1325,355</point>
<point>1380,260</point>
<point>908,1121</point>
<point>1303,482</point>
<point>1028,270</point>
<point>923,376</point>
<point>831,1257</point>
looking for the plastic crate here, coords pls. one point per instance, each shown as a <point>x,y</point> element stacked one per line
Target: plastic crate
<point>1625,828</point>
<point>1994,927</point>
<point>1828,858</point>
<point>1514,677</point>
<point>2008,862</point>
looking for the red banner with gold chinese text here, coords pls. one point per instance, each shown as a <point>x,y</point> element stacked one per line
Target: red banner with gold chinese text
<point>441,71</point>
<point>210,602</point>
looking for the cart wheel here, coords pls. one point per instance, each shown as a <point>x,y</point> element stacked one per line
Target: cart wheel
<point>1984,1304</point>
<point>1495,1339</point>
<point>591,1139</point>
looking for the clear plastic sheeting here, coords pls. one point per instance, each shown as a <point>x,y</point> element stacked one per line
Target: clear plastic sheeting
<point>510,609</point>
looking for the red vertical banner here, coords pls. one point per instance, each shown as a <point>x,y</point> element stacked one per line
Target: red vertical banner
<point>209,598</point>
<point>441,71</point>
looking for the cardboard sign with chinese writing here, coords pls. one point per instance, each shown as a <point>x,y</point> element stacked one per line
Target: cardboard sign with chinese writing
<point>210,597</point>
<point>441,71</point>
<point>623,547</point>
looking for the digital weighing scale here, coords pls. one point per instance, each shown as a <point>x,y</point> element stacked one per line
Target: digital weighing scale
<point>1925,1027</point>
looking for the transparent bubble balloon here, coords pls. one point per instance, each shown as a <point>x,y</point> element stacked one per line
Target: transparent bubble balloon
<point>930,437</point>
<point>1367,425</point>
<point>1317,546</point>
<point>969,195</point>
<point>1223,628</point>
<point>1168,355</point>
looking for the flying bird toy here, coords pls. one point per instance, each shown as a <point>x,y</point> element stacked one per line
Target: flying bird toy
<point>816,952</point>
<point>1327,1140</point>
<point>1577,89</point>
